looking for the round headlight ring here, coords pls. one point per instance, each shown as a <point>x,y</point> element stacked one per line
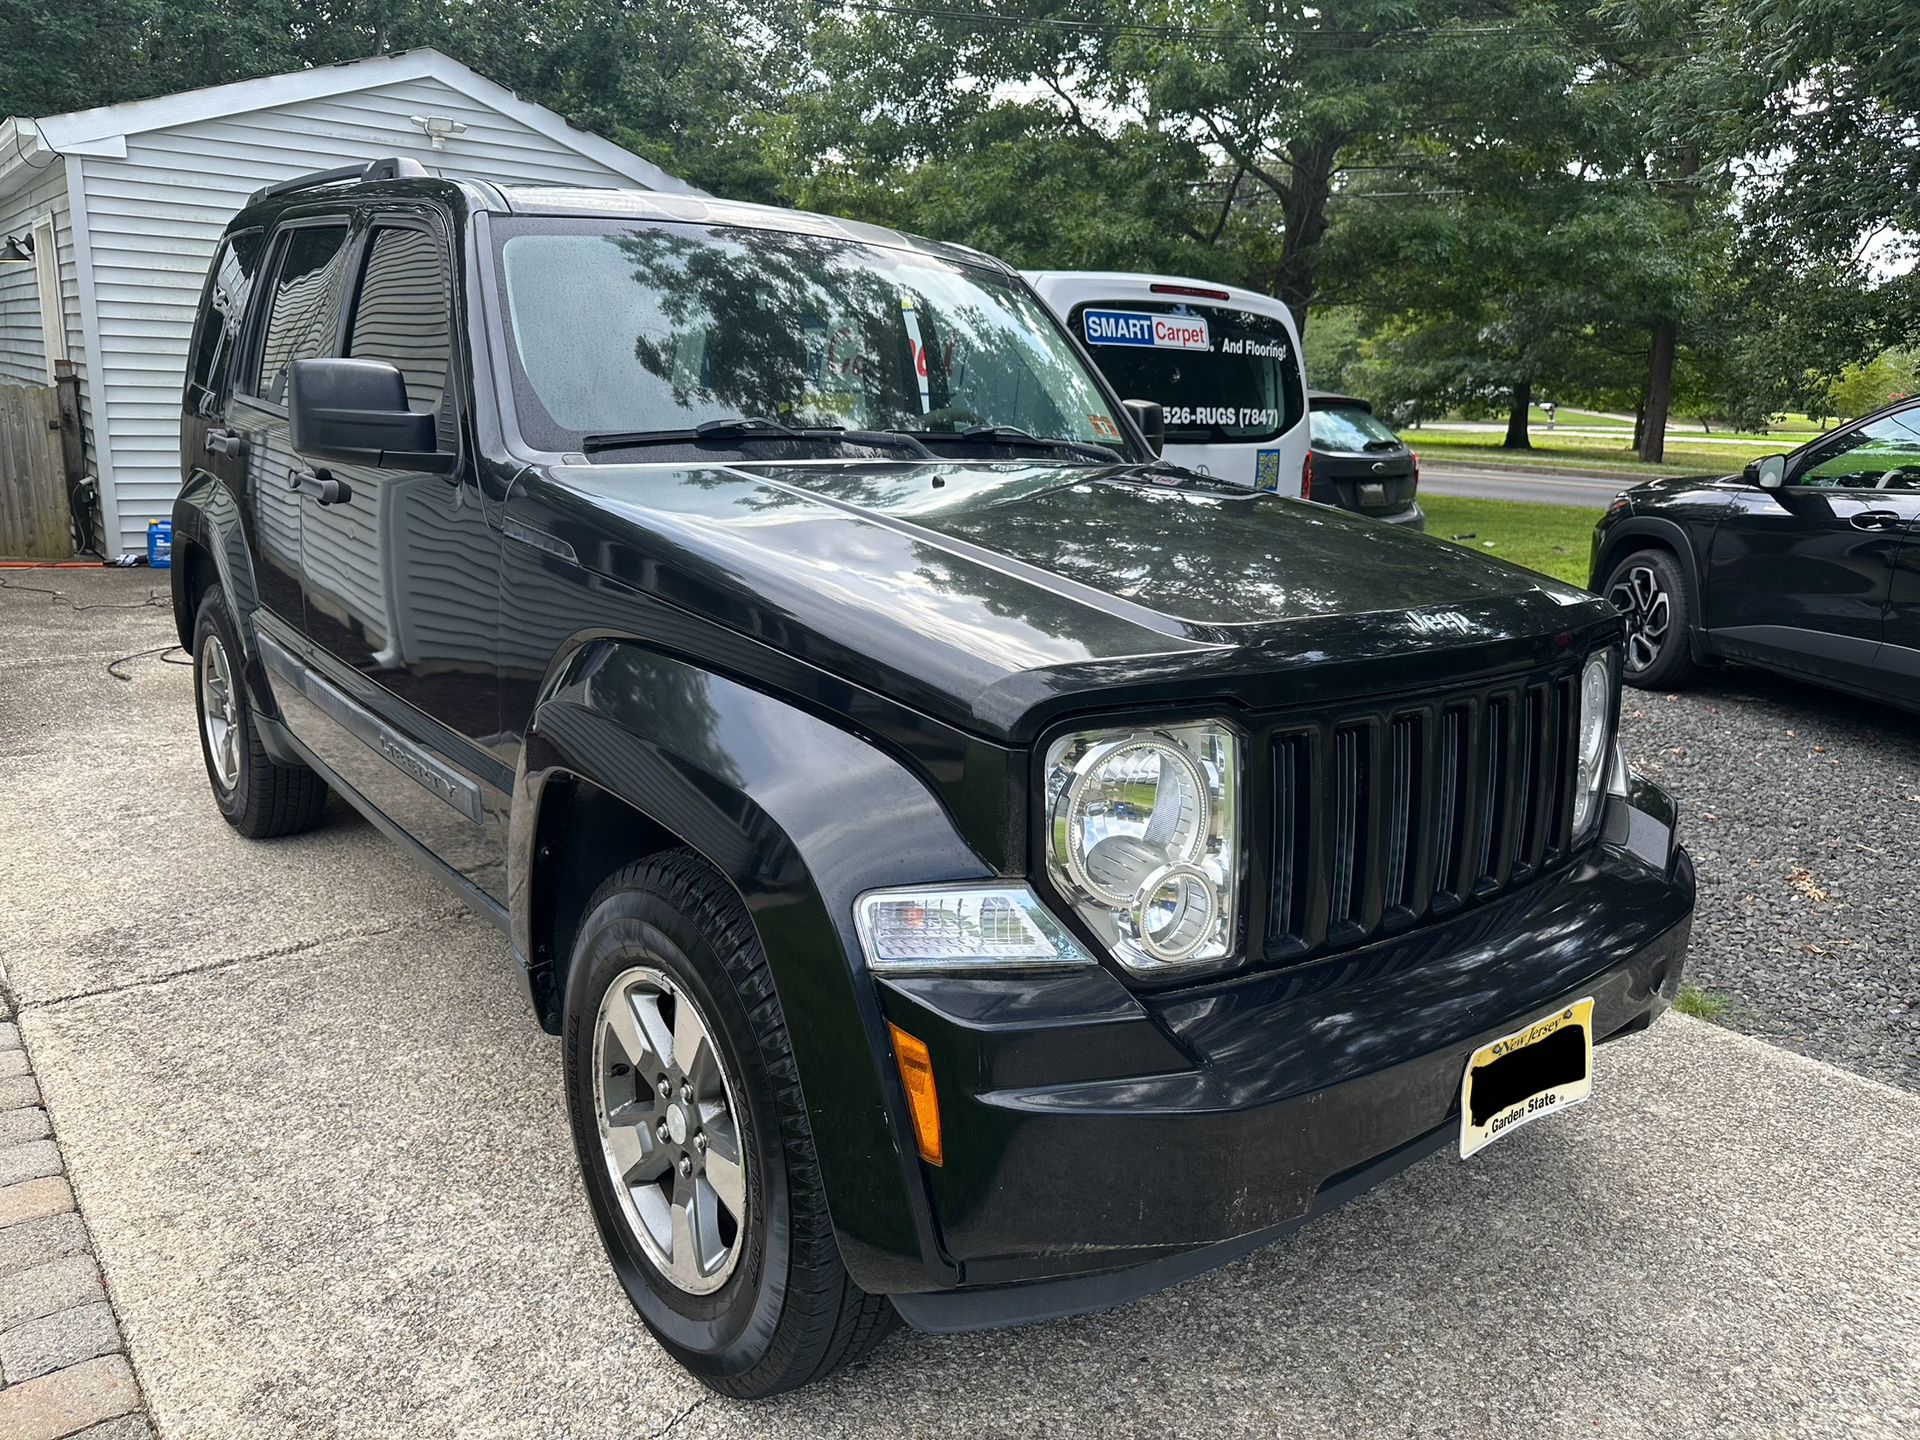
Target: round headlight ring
<point>1596,687</point>
<point>1078,794</point>
<point>1195,906</point>
<point>1596,695</point>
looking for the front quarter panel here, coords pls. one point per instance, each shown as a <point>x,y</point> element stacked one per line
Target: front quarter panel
<point>1676,515</point>
<point>801,818</point>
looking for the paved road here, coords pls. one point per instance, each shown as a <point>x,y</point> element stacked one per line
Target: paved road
<point>1487,483</point>
<point>320,1146</point>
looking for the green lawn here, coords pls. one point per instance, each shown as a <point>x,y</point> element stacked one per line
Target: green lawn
<point>1578,417</point>
<point>1549,538</point>
<point>1586,452</point>
<point>1791,429</point>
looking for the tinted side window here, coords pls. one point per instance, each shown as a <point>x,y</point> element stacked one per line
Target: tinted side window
<point>1883,454</point>
<point>401,314</point>
<point>301,312</point>
<point>217,330</point>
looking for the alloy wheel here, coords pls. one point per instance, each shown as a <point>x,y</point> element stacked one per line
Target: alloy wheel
<point>1639,596</point>
<point>670,1131</point>
<point>219,712</point>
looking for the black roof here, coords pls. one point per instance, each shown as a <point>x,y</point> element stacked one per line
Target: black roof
<point>400,177</point>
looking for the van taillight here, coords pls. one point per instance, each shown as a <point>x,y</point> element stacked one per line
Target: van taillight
<point>1306,477</point>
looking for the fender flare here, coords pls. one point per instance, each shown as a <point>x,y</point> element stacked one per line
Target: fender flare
<point>206,520</point>
<point>801,817</point>
<point>1670,536</point>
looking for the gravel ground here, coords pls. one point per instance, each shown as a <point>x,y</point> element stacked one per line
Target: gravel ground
<point>1802,810</point>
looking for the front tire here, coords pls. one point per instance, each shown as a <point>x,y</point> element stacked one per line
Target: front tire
<point>1650,589</point>
<point>259,796</point>
<point>693,1138</point>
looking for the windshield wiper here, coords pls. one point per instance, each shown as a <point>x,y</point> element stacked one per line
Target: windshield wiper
<point>756,427</point>
<point>1014,436</point>
<point>739,429</point>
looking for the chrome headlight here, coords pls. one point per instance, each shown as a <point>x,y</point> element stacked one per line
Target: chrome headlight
<point>1590,758</point>
<point>1143,838</point>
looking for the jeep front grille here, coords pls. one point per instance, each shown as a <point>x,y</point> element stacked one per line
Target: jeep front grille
<point>1407,812</point>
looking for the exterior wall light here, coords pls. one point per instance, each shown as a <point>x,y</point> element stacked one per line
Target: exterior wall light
<point>438,128</point>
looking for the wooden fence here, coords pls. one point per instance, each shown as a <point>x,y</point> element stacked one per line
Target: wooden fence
<point>33,475</point>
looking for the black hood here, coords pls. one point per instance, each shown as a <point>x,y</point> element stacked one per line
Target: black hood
<point>999,593</point>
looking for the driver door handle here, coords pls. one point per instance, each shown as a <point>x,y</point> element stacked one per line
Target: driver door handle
<point>318,485</point>
<point>1876,520</point>
<point>230,443</point>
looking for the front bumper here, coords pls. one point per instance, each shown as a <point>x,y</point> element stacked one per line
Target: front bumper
<point>1102,1144</point>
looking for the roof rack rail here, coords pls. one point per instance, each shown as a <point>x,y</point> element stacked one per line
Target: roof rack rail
<point>394,167</point>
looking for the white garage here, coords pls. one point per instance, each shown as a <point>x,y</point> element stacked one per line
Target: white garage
<point>120,208</point>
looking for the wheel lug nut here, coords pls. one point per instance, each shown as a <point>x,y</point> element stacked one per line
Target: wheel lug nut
<point>661,1131</point>
<point>666,1088</point>
<point>700,1141</point>
<point>686,1092</point>
<point>686,1167</point>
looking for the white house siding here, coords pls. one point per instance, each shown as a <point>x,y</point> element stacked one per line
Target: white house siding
<point>23,359</point>
<point>155,216</point>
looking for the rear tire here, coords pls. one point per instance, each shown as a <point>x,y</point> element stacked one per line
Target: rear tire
<point>260,796</point>
<point>1650,588</point>
<point>683,1096</point>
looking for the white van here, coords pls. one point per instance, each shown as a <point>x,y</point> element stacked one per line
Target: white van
<point>1223,363</point>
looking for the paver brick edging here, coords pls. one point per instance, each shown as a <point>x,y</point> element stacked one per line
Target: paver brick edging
<point>69,1401</point>
<point>63,1367</point>
<point>32,1199</point>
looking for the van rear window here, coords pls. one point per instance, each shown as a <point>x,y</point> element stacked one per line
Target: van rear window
<point>1222,375</point>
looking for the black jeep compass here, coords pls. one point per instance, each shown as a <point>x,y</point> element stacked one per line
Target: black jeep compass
<point>978,873</point>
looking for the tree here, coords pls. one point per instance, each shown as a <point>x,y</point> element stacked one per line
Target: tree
<point>1829,113</point>
<point>1519,245</point>
<point>1203,134</point>
<point>689,84</point>
<point>1664,71</point>
<point>1867,385</point>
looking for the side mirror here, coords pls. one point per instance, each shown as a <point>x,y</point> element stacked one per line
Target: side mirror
<point>1152,420</point>
<point>1769,472</point>
<point>355,412</point>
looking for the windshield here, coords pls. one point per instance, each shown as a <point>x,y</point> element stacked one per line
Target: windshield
<point>1348,427</point>
<point>1221,375</point>
<point>622,327</point>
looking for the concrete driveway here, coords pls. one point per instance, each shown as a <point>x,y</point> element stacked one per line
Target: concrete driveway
<point>320,1145</point>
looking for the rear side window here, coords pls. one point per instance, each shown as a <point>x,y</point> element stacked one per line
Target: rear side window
<point>217,330</point>
<point>1349,427</point>
<point>303,306</point>
<point>402,312</point>
<point>1222,375</point>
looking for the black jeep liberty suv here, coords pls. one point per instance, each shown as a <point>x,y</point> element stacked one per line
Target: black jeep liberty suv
<point>978,872</point>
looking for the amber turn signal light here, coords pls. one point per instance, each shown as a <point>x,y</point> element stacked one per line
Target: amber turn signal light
<point>916,1073</point>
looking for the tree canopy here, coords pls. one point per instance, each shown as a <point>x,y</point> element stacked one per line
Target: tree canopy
<point>1665,206</point>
